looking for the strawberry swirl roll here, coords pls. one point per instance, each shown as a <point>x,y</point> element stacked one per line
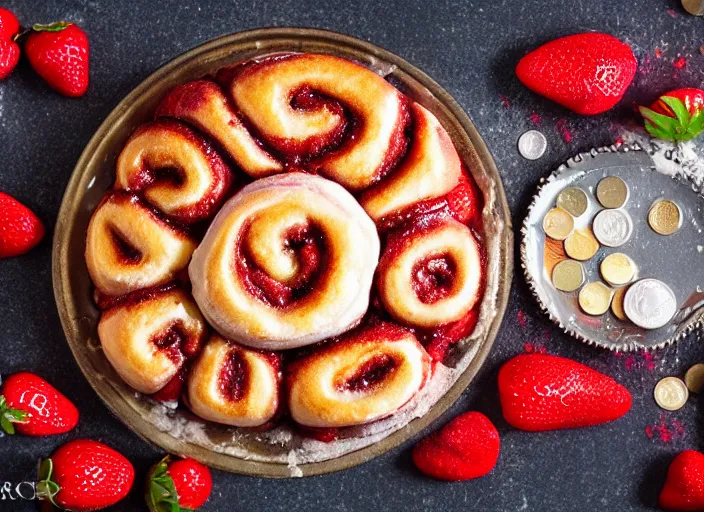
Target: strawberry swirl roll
<point>288,261</point>
<point>364,376</point>
<point>130,247</point>
<point>234,385</point>
<point>431,275</point>
<point>333,116</point>
<point>148,337</point>
<point>178,171</point>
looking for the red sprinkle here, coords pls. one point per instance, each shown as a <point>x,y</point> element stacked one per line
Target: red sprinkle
<point>680,63</point>
<point>658,52</point>
<point>535,118</point>
<point>522,319</point>
<point>505,101</point>
<point>672,13</point>
<point>563,130</point>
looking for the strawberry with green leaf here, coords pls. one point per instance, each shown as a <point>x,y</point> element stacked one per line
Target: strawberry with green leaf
<point>677,115</point>
<point>177,486</point>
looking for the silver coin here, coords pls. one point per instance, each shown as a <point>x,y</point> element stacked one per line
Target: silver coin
<point>613,228</point>
<point>650,304</point>
<point>532,145</point>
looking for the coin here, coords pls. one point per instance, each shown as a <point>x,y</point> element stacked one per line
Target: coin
<point>617,304</point>
<point>650,304</point>
<point>694,378</point>
<point>671,393</point>
<point>612,192</point>
<point>574,200</point>
<point>595,298</point>
<point>617,269</point>
<point>613,228</point>
<point>694,7</point>
<point>581,245</point>
<point>532,145</point>
<point>665,217</point>
<point>558,224</point>
<point>568,275</point>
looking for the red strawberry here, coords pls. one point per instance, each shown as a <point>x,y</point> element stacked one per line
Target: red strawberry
<point>181,485</point>
<point>684,487</point>
<point>9,50</point>
<point>35,407</point>
<point>20,229</point>
<point>543,392</point>
<point>467,447</point>
<point>59,54</point>
<point>587,73</point>
<point>677,115</point>
<point>84,475</point>
<point>172,391</point>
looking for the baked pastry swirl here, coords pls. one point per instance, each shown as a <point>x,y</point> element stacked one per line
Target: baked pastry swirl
<point>280,267</point>
<point>334,280</point>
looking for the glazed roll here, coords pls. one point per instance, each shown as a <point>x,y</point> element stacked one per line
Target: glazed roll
<point>233,385</point>
<point>129,247</point>
<point>431,275</point>
<point>148,337</point>
<point>431,168</point>
<point>287,262</point>
<point>203,104</point>
<point>177,170</point>
<point>366,375</point>
<point>343,116</point>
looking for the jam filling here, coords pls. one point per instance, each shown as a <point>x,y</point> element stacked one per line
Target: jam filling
<point>173,342</point>
<point>434,278</point>
<point>308,245</point>
<point>370,374</point>
<point>234,376</point>
<point>129,254</point>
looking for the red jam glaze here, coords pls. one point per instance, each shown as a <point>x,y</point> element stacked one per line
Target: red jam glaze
<point>221,172</point>
<point>233,380</point>
<point>172,391</point>
<point>370,374</point>
<point>128,254</point>
<point>433,278</point>
<point>464,203</point>
<point>105,302</point>
<point>185,98</point>
<point>308,244</point>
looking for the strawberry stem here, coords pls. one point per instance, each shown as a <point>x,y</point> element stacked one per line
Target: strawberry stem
<point>161,492</point>
<point>51,27</point>
<point>46,487</point>
<point>9,416</point>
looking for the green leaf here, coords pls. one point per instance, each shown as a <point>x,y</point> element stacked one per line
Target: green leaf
<point>679,109</point>
<point>666,123</point>
<point>161,492</point>
<point>51,27</point>
<point>7,425</point>
<point>657,132</point>
<point>46,487</point>
<point>696,124</point>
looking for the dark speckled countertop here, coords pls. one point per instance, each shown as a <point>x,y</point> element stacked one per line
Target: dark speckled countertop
<point>470,48</point>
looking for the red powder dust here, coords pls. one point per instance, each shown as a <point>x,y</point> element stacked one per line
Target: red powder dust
<point>680,63</point>
<point>531,348</point>
<point>505,101</point>
<point>664,432</point>
<point>535,119</point>
<point>658,52</point>
<point>638,361</point>
<point>563,130</point>
<point>522,319</point>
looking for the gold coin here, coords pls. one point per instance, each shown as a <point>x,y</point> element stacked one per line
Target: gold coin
<point>694,378</point>
<point>558,224</point>
<point>694,7</point>
<point>568,275</point>
<point>595,298</point>
<point>612,192</point>
<point>665,217</point>
<point>573,200</point>
<point>671,393</point>
<point>617,269</point>
<point>617,304</point>
<point>581,245</point>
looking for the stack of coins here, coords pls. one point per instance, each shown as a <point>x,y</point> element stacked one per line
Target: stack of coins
<point>648,303</point>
